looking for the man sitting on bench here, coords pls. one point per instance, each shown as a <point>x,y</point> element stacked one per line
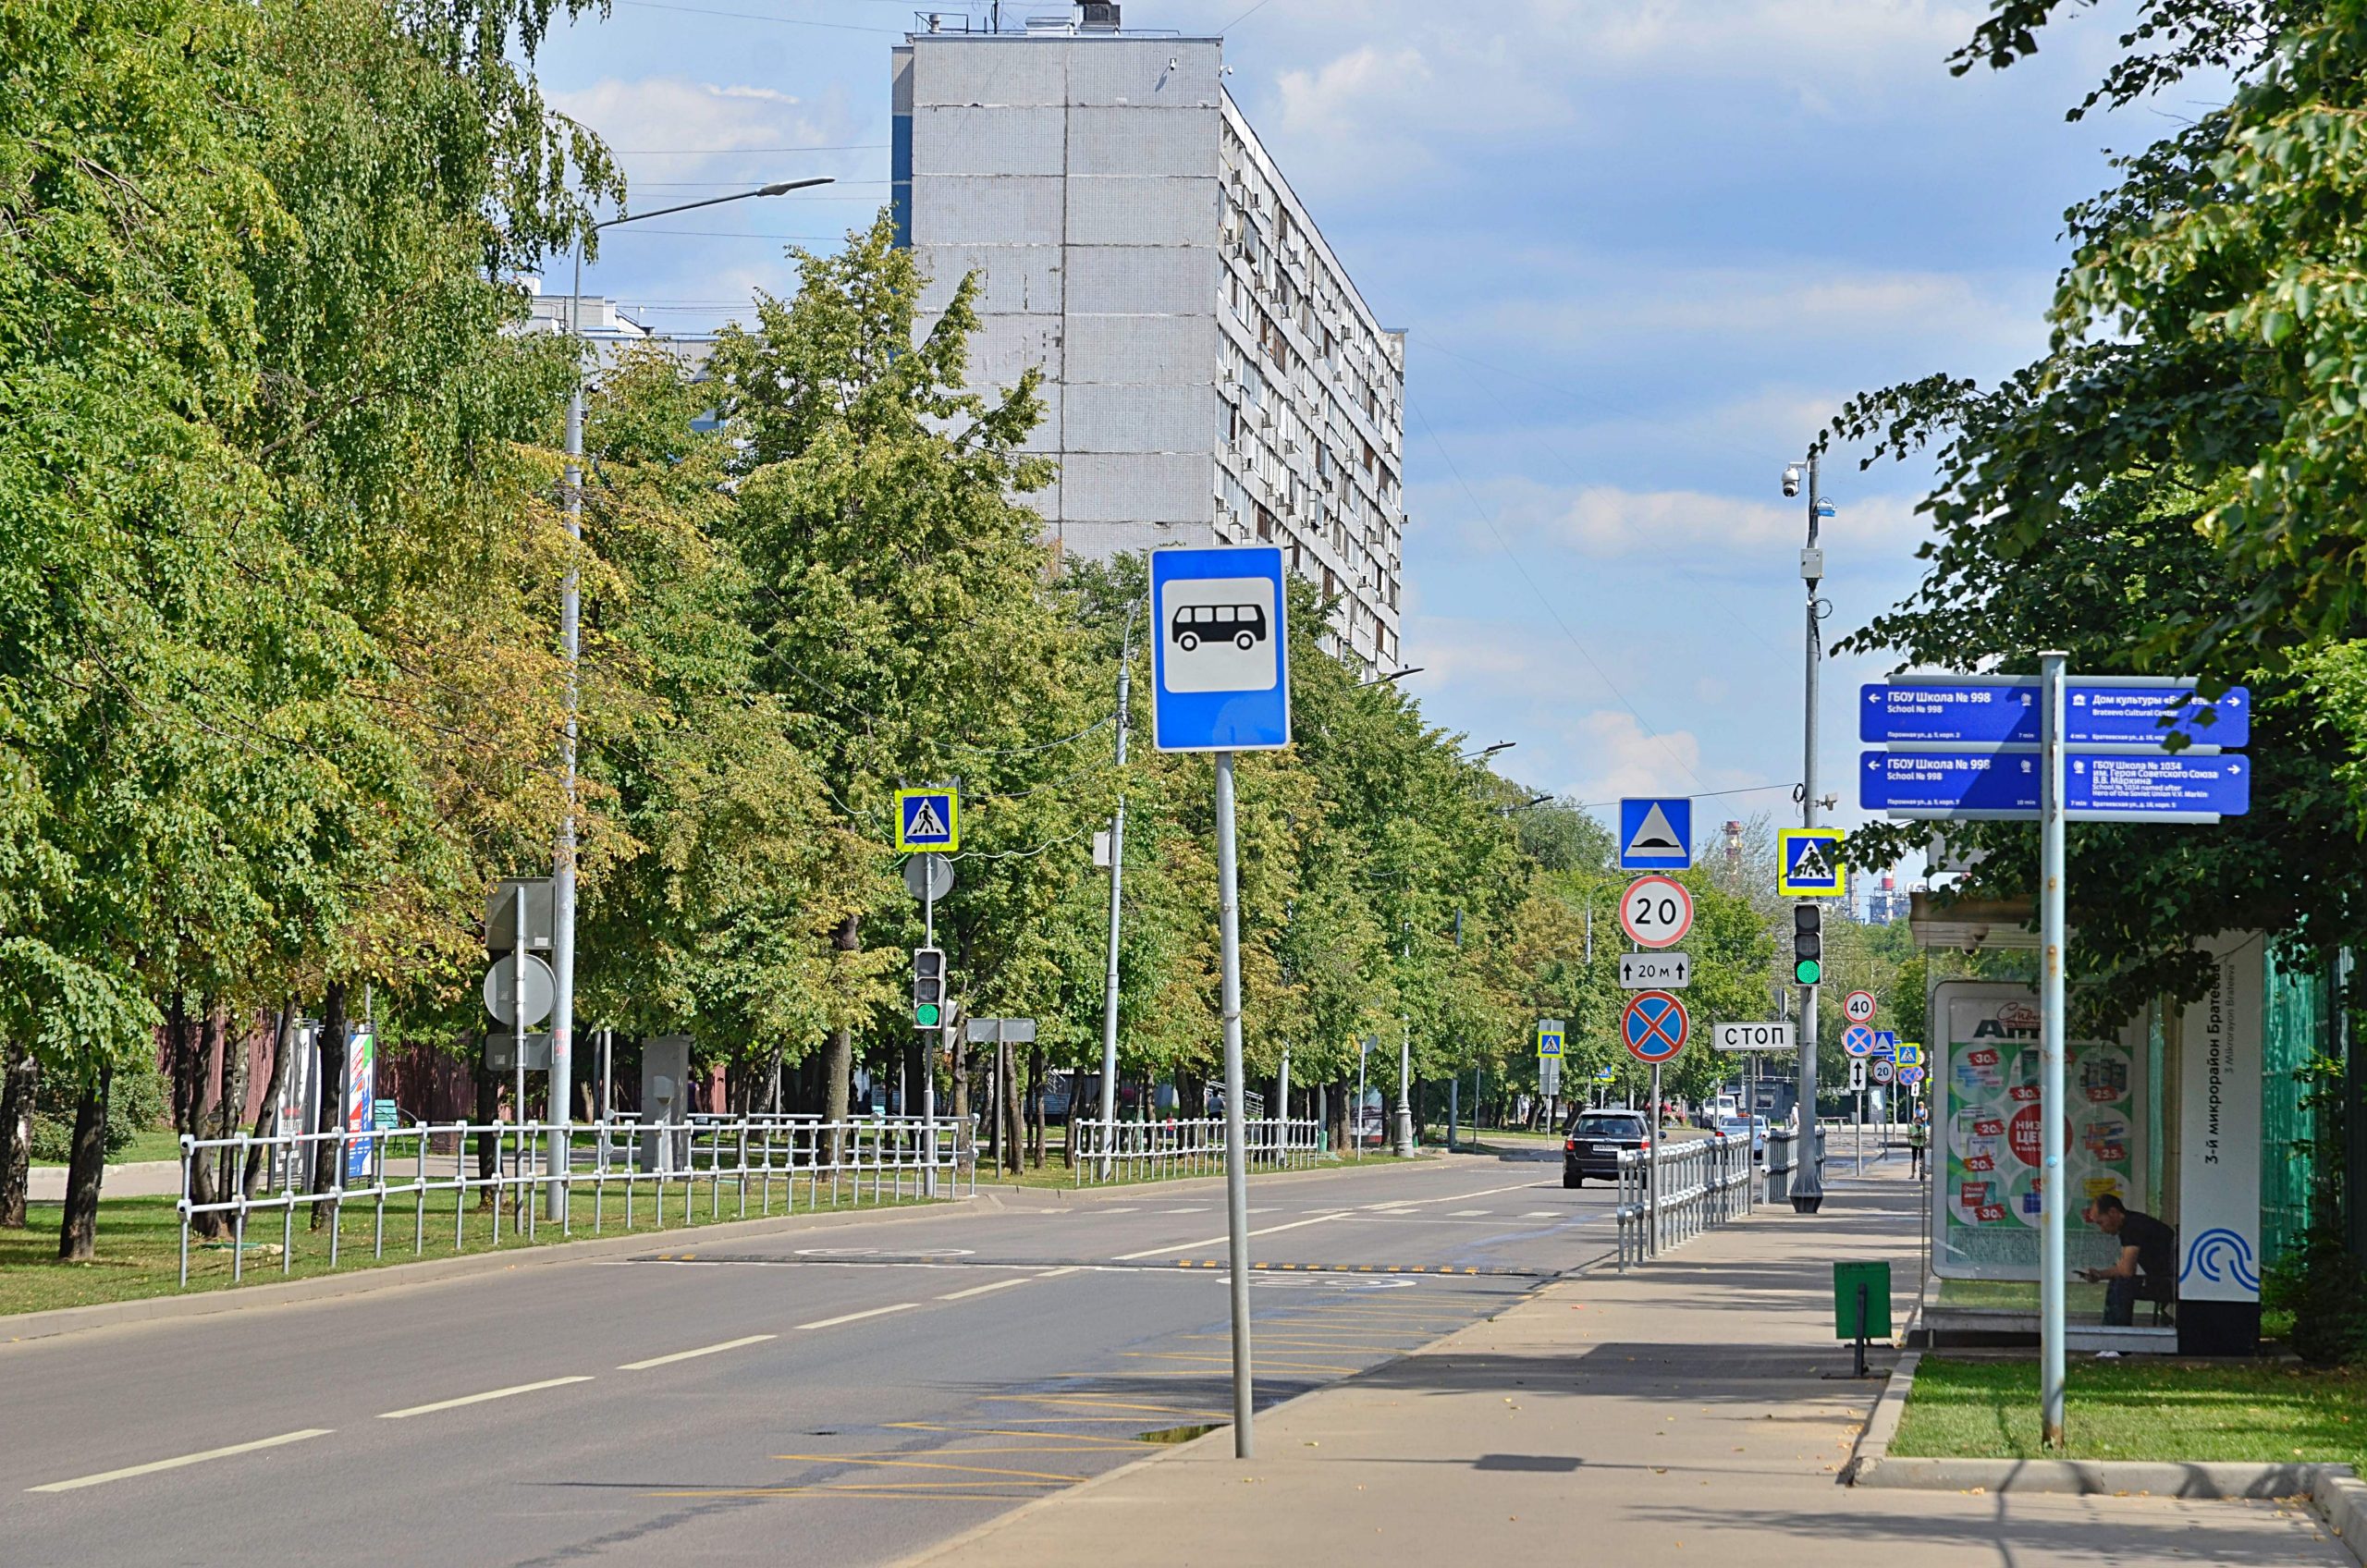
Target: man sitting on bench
<point>2147,1268</point>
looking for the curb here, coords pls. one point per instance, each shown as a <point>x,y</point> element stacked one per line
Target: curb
<point>2333,1490</point>
<point>2101,1477</point>
<point>1072,1193</point>
<point>24,1328</point>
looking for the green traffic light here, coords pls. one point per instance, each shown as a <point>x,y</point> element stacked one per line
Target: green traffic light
<point>1807,972</point>
<point>927,1015</point>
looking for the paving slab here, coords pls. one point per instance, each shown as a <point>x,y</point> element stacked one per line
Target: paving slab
<point>1681,1412</point>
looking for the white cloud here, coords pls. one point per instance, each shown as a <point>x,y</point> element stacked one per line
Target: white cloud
<point>1599,520</point>
<point>680,139</point>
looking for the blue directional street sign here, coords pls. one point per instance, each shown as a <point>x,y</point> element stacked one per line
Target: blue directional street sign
<point>2184,786</point>
<point>1220,669</point>
<point>1656,833</point>
<point>2097,711</point>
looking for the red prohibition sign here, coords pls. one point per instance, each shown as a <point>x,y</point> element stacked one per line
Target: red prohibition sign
<point>1656,912</point>
<point>1655,1025</point>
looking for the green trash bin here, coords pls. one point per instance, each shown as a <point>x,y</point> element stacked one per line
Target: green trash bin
<point>1861,1304</point>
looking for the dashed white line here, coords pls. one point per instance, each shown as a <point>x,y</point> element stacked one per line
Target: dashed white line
<point>1543,1214</point>
<point>977,1290</point>
<point>1466,1213</point>
<point>1187,1208</point>
<point>690,1354</point>
<point>859,1316</point>
<point>153,1465</point>
<point>1213,1241</point>
<point>479,1399</point>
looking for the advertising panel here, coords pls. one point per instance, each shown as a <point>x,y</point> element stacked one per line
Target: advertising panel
<point>1986,1175</point>
<point>361,1088</point>
<point>2219,1107</point>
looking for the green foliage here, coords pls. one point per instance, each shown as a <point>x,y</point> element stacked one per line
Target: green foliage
<point>136,1103</point>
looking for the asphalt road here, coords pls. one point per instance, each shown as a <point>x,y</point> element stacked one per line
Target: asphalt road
<point>847,1396</point>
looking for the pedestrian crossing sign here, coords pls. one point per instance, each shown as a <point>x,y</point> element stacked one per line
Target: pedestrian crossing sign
<point>1549,1038</point>
<point>1809,864</point>
<point>928,820</point>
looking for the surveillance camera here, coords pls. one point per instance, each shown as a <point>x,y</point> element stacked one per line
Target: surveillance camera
<point>1792,478</point>
<point>1172,62</point>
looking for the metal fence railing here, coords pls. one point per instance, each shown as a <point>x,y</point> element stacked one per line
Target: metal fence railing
<point>1672,1193</point>
<point>629,1172</point>
<point>1144,1151</point>
<point>1780,1146</point>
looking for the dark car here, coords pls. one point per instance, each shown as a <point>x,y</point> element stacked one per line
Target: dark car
<point>1595,1140</point>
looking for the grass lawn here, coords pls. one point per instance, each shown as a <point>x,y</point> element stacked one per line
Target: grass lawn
<point>2079,1298</point>
<point>2139,1409</point>
<point>158,1142</point>
<point>139,1241</point>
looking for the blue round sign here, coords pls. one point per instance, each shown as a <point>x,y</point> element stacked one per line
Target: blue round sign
<point>1859,1039</point>
<point>1655,1025</point>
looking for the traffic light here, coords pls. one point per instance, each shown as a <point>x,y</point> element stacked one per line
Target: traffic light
<point>1807,943</point>
<point>928,987</point>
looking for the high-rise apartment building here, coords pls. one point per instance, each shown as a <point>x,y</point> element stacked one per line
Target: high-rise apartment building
<point>1211,373</point>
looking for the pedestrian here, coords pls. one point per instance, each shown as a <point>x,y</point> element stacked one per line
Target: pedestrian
<point>1918,1138</point>
<point>2147,1267</point>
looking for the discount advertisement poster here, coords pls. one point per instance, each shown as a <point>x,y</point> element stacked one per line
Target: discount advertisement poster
<point>1987,1180</point>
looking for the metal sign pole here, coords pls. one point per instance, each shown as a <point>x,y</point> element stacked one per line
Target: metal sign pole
<point>518,1043</point>
<point>1652,1161</point>
<point>1808,1185</point>
<point>1236,1178</point>
<point>2051,1051</point>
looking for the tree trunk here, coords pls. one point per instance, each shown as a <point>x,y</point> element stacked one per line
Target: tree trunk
<point>19,1072</point>
<point>206,1063</point>
<point>961,1091</point>
<point>837,1056</point>
<point>1014,1133</point>
<point>283,1045</point>
<point>78,1230</point>
<point>234,1101</point>
<point>488,1106</point>
<point>1035,1105</point>
<point>328,1155</point>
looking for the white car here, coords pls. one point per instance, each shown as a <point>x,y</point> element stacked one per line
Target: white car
<point>1751,1127</point>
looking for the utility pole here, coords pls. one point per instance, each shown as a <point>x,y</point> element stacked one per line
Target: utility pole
<point>1116,881</point>
<point>2053,1197</point>
<point>1808,1183</point>
<point>561,1086</point>
<point>1405,1071</point>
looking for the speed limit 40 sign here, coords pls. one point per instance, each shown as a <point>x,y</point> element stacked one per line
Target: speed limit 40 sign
<point>1859,1008</point>
<point>1656,912</point>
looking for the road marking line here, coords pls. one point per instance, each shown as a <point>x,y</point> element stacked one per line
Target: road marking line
<point>982,1289</point>
<point>867,1462</point>
<point>1130,1209</point>
<point>1056,1273</point>
<point>1459,1198</point>
<point>1543,1214</point>
<point>478,1398</point>
<point>859,1316</point>
<point>689,1354</point>
<point>1187,1208</point>
<point>1466,1213</point>
<point>153,1466</point>
<point>1212,1241</point>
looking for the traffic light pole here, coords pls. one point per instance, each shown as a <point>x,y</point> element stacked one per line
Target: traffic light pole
<point>1808,1182</point>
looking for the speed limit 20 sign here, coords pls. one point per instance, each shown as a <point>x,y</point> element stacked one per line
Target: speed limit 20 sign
<point>1656,912</point>
<point>1859,1008</point>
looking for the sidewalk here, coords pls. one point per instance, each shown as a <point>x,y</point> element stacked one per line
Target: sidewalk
<point>141,1179</point>
<point>1674,1414</point>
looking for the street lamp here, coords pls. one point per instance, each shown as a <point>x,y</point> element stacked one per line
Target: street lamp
<point>562,1084</point>
<point>1486,751</point>
<point>1808,1183</point>
<point>1393,675</point>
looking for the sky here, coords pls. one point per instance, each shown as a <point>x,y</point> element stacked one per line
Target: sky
<point>1644,249</point>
